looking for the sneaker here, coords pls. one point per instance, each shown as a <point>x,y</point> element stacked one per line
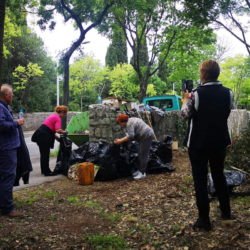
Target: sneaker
<point>139,176</point>
<point>135,173</point>
<point>202,225</point>
<point>14,213</point>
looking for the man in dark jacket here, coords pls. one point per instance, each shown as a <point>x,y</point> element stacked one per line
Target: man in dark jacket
<point>9,138</point>
<point>208,108</point>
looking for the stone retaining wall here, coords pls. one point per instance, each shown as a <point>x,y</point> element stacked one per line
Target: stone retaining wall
<point>34,120</point>
<point>102,125</point>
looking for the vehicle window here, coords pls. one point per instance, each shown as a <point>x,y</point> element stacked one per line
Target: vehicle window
<point>161,104</point>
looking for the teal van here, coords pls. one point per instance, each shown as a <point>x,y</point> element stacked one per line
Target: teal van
<point>164,102</point>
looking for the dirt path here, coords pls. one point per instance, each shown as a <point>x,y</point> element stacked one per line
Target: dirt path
<point>153,213</point>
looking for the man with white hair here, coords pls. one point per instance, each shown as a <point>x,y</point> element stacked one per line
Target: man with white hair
<point>9,138</point>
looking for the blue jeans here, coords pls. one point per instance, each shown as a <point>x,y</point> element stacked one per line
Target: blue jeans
<point>8,163</point>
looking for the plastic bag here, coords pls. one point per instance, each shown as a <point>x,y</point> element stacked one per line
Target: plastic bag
<point>233,179</point>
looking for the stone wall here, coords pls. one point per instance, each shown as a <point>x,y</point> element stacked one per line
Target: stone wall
<point>34,120</point>
<point>102,125</point>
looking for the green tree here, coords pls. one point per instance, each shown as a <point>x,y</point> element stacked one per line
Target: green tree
<point>25,49</point>
<point>87,77</point>
<point>117,50</point>
<point>192,46</point>
<point>23,76</point>
<point>16,11</point>
<point>123,82</point>
<point>235,74</point>
<point>80,12</point>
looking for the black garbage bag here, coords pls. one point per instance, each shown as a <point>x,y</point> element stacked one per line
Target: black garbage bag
<point>233,179</point>
<point>62,162</point>
<point>117,161</point>
<point>160,156</point>
<point>78,155</point>
<point>90,151</point>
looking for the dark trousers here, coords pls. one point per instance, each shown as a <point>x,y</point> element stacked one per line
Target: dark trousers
<point>8,163</point>
<point>144,148</point>
<point>44,157</point>
<point>199,159</point>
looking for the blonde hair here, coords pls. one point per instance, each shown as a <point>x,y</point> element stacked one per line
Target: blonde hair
<point>209,71</point>
<point>61,109</point>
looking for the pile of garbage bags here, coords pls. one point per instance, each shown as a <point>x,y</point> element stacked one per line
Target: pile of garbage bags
<point>115,161</point>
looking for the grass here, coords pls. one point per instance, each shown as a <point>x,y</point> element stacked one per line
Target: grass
<point>110,242</point>
<point>175,228</point>
<point>92,204</point>
<point>111,217</point>
<point>29,200</point>
<point>73,199</point>
<point>50,194</point>
<point>243,200</point>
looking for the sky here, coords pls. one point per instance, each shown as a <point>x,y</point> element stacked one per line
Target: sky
<point>63,35</point>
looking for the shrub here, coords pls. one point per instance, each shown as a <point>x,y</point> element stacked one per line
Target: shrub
<point>239,154</point>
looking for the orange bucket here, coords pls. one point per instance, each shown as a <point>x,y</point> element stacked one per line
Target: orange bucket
<point>86,173</point>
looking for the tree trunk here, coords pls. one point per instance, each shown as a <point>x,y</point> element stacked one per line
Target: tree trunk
<point>2,18</point>
<point>65,88</point>
<point>143,88</point>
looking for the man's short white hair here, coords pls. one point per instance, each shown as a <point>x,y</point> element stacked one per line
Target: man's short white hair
<point>5,89</point>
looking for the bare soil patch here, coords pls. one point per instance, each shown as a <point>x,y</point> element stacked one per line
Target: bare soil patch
<point>153,213</point>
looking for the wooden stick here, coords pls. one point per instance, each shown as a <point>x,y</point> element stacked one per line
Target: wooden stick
<point>240,170</point>
<point>148,121</point>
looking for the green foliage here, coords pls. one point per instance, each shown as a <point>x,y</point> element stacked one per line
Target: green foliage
<point>192,46</point>
<point>117,50</point>
<point>123,82</point>
<point>239,154</point>
<point>106,242</point>
<point>158,85</point>
<point>11,30</point>
<point>235,74</point>
<point>87,78</point>
<point>151,90</point>
<point>25,50</point>
<point>24,74</point>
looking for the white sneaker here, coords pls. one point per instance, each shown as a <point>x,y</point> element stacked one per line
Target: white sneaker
<point>135,173</point>
<point>139,176</point>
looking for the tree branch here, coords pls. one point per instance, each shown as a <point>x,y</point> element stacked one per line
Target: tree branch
<point>235,35</point>
<point>248,3</point>
<point>166,55</point>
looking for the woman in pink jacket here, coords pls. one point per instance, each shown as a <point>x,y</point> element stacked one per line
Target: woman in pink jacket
<point>44,136</point>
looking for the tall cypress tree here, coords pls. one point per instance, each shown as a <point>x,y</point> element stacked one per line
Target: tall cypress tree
<point>117,50</point>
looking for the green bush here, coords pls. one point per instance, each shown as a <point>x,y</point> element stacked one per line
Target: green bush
<point>239,154</point>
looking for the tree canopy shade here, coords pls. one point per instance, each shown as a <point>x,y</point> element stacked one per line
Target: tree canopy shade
<point>80,12</point>
<point>232,12</point>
